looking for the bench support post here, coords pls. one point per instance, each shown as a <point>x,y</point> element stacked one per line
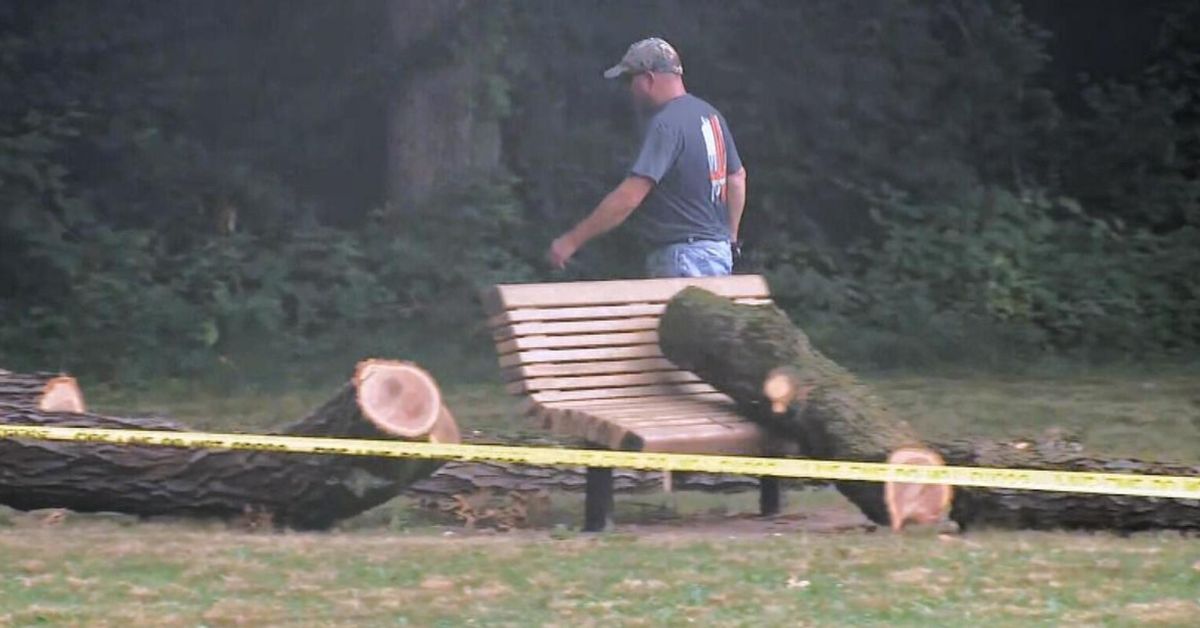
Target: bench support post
<point>598,503</point>
<point>769,496</point>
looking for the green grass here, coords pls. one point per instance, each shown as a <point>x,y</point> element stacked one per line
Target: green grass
<point>675,560</point>
<point>1137,414</point>
<point>97,574</point>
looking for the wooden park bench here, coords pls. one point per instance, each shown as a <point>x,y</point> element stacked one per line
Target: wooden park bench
<point>585,356</point>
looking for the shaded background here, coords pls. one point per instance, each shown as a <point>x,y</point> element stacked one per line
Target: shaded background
<point>250,192</point>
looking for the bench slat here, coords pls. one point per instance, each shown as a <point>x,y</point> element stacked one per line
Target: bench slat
<point>580,341</point>
<point>707,427</point>
<point>681,422</point>
<point>714,400</point>
<point>678,423</point>
<point>634,417</point>
<point>576,327</point>
<point>601,381</point>
<point>541,356</point>
<point>617,435</point>
<point>721,433</point>
<point>530,315</point>
<point>715,404</point>
<point>628,391</point>
<point>701,437</point>
<point>513,296</point>
<point>742,439</point>
<point>588,368</point>
<point>631,310</point>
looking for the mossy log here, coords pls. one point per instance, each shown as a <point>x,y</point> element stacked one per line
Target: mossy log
<point>384,400</point>
<point>461,478</point>
<point>832,415</point>
<point>754,354</point>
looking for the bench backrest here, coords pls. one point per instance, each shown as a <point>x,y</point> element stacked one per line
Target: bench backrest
<point>594,340</point>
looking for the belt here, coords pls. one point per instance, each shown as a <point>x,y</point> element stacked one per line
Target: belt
<point>691,240</point>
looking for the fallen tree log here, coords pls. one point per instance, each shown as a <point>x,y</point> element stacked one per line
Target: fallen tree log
<point>1051,510</point>
<point>818,404</point>
<point>384,399</point>
<point>461,478</point>
<point>46,392</point>
<point>758,357</point>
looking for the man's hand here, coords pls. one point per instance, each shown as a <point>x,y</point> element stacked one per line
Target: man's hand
<point>560,251</point>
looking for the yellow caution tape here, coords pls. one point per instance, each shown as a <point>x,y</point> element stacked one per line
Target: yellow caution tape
<point>1019,479</point>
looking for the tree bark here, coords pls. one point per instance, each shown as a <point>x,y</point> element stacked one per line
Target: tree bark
<point>1049,510</point>
<point>459,478</point>
<point>768,366</point>
<point>384,400</point>
<point>440,132</point>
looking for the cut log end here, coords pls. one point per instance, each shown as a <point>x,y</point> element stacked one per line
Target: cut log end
<point>400,398</point>
<point>916,503</point>
<point>385,399</point>
<point>782,388</point>
<point>445,430</point>
<point>62,394</point>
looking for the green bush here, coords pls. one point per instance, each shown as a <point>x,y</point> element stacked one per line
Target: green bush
<point>998,278</point>
<point>244,307</point>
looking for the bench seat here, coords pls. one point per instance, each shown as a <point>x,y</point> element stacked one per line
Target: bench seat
<point>585,358</point>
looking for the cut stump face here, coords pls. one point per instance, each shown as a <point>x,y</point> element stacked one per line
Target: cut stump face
<point>62,394</point>
<point>782,388</point>
<point>398,397</point>
<point>916,503</point>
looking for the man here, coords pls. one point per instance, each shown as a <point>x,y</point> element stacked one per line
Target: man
<point>688,183</point>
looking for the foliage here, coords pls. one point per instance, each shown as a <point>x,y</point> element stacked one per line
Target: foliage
<point>147,232</point>
<point>233,303</point>
<point>1011,277</point>
<point>189,190</point>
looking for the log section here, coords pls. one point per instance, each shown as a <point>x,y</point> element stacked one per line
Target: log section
<point>384,399</point>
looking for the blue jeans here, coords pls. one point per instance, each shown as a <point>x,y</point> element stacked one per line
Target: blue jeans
<point>702,258</point>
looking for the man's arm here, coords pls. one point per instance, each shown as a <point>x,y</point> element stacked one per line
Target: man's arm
<point>612,211</point>
<point>736,200</point>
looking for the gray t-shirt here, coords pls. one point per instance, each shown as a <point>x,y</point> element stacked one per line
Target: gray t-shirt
<point>688,151</point>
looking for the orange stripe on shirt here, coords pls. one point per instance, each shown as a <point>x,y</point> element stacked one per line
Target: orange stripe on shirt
<point>719,173</point>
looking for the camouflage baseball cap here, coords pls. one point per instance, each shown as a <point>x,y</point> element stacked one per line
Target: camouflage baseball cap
<point>648,55</point>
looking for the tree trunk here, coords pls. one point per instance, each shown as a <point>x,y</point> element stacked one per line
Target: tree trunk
<point>384,400</point>
<point>765,363</point>
<point>461,478</point>
<point>41,391</point>
<point>830,415</point>
<point>1048,510</point>
<point>440,130</point>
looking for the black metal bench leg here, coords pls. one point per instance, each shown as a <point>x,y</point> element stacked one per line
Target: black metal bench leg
<point>769,497</point>
<point>598,504</point>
